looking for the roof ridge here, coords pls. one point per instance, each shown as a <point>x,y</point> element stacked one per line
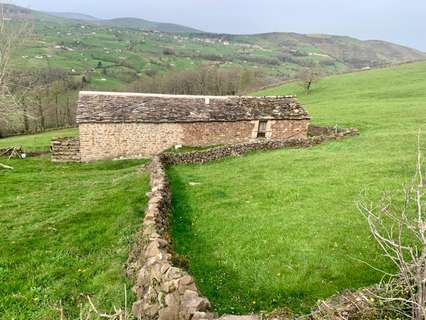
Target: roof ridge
<point>179,96</point>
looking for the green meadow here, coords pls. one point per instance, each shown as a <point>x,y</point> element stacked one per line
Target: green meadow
<point>37,142</point>
<point>281,229</point>
<point>269,230</point>
<point>65,232</point>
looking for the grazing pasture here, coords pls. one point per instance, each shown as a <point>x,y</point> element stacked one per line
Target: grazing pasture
<point>65,231</point>
<point>281,229</point>
<point>37,142</point>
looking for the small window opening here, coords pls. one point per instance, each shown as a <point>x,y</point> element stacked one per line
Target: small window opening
<point>261,131</point>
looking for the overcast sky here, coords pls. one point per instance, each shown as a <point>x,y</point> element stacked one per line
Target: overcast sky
<point>399,21</point>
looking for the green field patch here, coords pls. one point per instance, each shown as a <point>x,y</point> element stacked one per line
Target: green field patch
<point>37,142</point>
<point>281,229</point>
<point>65,232</point>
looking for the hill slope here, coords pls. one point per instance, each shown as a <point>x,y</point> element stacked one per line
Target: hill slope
<point>146,25</point>
<point>73,16</point>
<point>281,229</point>
<point>126,51</point>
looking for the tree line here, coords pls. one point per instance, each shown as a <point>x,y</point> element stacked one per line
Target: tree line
<point>205,80</point>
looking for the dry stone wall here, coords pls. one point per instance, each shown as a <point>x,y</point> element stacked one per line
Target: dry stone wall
<point>218,153</point>
<point>65,149</point>
<point>315,131</point>
<point>163,291</point>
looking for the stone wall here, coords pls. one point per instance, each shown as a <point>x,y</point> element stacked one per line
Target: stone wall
<point>65,149</point>
<point>103,141</point>
<point>100,141</point>
<point>314,131</point>
<point>217,153</point>
<point>164,291</point>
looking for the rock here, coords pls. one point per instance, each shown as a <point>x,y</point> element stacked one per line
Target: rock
<point>172,299</point>
<point>150,310</point>
<point>192,302</point>
<point>169,286</point>
<point>165,267</point>
<point>186,280</point>
<point>169,313</point>
<point>247,317</point>
<point>202,316</point>
<point>174,273</point>
<point>153,249</point>
<point>142,310</point>
<point>137,309</point>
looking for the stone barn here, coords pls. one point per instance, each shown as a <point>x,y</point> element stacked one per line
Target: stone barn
<point>133,125</point>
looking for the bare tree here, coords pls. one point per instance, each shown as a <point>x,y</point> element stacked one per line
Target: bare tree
<point>13,30</point>
<point>307,77</point>
<point>399,227</point>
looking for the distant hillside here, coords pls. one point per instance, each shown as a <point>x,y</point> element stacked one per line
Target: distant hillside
<point>114,53</point>
<point>141,24</point>
<point>352,52</point>
<point>73,15</point>
<point>134,23</point>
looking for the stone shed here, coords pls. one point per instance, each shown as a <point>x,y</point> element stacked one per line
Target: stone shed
<point>133,125</point>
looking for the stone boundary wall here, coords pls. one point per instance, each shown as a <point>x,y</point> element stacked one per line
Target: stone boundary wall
<point>11,151</point>
<point>66,149</point>
<point>163,291</point>
<point>217,153</point>
<point>315,131</point>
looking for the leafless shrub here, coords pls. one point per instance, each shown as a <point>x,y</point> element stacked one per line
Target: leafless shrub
<point>308,76</point>
<point>399,227</point>
<point>13,30</point>
<point>91,312</point>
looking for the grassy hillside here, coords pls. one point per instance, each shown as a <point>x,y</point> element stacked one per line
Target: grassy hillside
<point>142,24</point>
<point>281,228</point>
<point>37,142</point>
<point>65,231</point>
<point>125,52</point>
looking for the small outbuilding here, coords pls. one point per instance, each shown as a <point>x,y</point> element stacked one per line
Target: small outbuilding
<point>133,125</point>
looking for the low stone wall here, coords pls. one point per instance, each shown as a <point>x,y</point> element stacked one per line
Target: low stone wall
<point>163,291</point>
<point>65,149</point>
<point>217,153</point>
<point>315,131</point>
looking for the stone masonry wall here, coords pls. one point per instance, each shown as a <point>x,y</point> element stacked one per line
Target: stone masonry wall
<point>285,129</point>
<point>103,141</point>
<point>164,291</point>
<point>314,131</point>
<point>213,133</point>
<point>218,153</point>
<point>136,140</point>
<point>65,149</point>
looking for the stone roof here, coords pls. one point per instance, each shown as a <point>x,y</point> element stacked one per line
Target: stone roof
<point>104,107</point>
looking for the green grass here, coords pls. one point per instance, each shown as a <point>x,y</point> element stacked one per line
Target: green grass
<point>65,231</point>
<point>37,142</point>
<point>281,229</point>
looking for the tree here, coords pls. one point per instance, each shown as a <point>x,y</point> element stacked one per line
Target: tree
<point>399,227</point>
<point>307,77</point>
<point>13,30</point>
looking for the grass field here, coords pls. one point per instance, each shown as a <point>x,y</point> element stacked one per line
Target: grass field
<point>281,229</point>
<point>37,142</point>
<point>65,231</point>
